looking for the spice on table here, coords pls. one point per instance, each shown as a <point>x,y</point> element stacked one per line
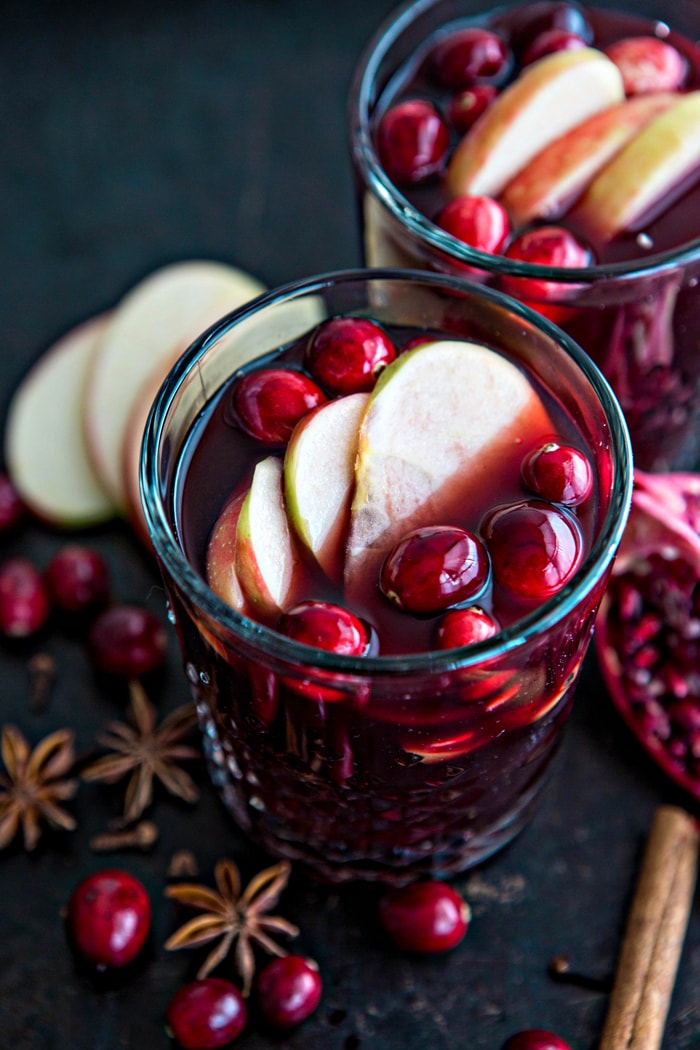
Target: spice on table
<point>654,934</point>
<point>42,675</point>
<point>35,783</point>
<point>141,836</point>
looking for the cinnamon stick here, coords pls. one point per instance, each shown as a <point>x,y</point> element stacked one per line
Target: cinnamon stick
<point>654,934</point>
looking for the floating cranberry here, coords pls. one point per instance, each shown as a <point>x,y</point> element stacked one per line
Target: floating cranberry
<point>467,55</point>
<point>544,246</point>
<point>465,627</point>
<point>535,1039</point>
<point>412,141</point>
<point>109,917</point>
<point>11,505</point>
<point>534,19</point>
<point>558,473</point>
<point>647,64</point>
<point>535,548</point>
<point>480,222</point>
<point>288,990</point>
<point>127,640</point>
<point>433,568</point>
<point>346,354</point>
<point>206,1014</point>
<point>465,108</point>
<point>552,40</point>
<point>326,626</point>
<point>77,579</point>
<point>24,601</point>
<point>268,403</point>
<point>426,916</point>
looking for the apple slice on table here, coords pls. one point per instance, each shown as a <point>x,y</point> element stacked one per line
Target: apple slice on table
<point>442,424</point>
<point>319,474</point>
<point>550,97</point>
<point>267,563</point>
<point>647,175</point>
<point>559,173</point>
<point>44,448</point>
<point>152,325</point>
<point>221,555</point>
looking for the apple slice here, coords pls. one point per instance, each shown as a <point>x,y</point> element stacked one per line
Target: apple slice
<point>319,474</point>
<point>546,187</point>
<point>44,447</point>
<point>266,561</point>
<point>647,175</point>
<point>441,426</point>
<point>151,327</point>
<point>221,555</point>
<point>550,97</point>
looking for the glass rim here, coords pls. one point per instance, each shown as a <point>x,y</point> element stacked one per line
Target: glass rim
<point>421,227</point>
<point>274,644</point>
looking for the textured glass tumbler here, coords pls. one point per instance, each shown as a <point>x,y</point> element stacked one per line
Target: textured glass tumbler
<point>382,768</point>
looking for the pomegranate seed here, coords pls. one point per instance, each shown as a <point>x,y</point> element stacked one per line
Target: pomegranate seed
<point>468,54</point>
<point>109,917</point>
<point>127,640</point>
<point>206,1014</point>
<point>552,40</point>
<point>77,578</point>
<point>558,473</point>
<point>288,990</point>
<point>434,568</point>
<point>465,627</point>
<point>412,141</point>
<point>535,1039</point>
<point>465,108</point>
<point>11,505</point>
<point>647,64</point>
<point>346,354</point>
<point>535,19</point>
<point>424,917</point>
<point>480,222</point>
<point>24,601</point>
<point>326,626</point>
<point>269,403</point>
<point>535,548</point>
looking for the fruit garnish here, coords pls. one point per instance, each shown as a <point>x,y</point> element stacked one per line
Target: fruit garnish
<point>648,64</point>
<point>551,40</point>
<point>206,1014</point>
<point>466,106</point>
<point>221,555</point>
<point>288,990</point>
<point>531,20</point>
<point>468,626</point>
<point>535,1039</point>
<point>326,626</point>
<point>109,918</point>
<point>412,141</point>
<point>269,402</point>
<point>434,568</point>
<point>480,222</point>
<point>347,354</point>
<point>558,473</point>
<point>467,55</point>
<point>426,917</point>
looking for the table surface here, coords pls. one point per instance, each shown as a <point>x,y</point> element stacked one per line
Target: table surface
<point>135,135</point>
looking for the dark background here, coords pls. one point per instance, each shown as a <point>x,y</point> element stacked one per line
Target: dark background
<point>134,135</point>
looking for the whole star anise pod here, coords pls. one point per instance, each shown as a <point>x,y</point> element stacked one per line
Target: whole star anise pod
<point>34,785</point>
<point>148,752</point>
<point>234,917</point>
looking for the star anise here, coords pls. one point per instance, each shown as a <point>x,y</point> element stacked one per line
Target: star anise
<point>234,917</point>
<point>148,752</point>
<point>34,785</point>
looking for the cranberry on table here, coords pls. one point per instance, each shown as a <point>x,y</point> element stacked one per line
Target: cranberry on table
<point>347,354</point>
<point>77,578</point>
<point>552,40</point>
<point>326,626</point>
<point>206,1014</point>
<point>434,568</point>
<point>427,916</point>
<point>269,403</point>
<point>535,1039</point>
<point>558,473</point>
<point>24,600</point>
<point>648,64</point>
<point>465,108</point>
<point>465,627</point>
<point>127,640</point>
<point>412,141</point>
<point>11,505</point>
<point>480,222</point>
<point>109,918</point>
<point>468,54</point>
<point>535,548</point>
<point>288,990</point>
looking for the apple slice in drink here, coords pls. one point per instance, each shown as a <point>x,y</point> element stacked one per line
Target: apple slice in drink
<point>550,97</point>
<point>319,474</point>
<point>44,447</point>
<point>266,561</point>
<point>221,555</point>
<point>647,175</point>
<point>443,423</point>
<point>559,173</point>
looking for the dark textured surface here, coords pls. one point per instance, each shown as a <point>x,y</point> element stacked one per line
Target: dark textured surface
<point>139,134</point>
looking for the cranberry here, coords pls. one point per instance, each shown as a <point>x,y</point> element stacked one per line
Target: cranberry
<point>544,246</point>
<point>647,64</point>
<point>535,548</point>
<point>346,354</point>
<point>24,601</point>
<point>480,222</point>
<point>433,568</point>
<point>288,990</point>
<point>412,141</point>
<point>206,1014</point>
<point>127,640</point>
<point>535,19</point>
<point>467,54</point>
<point>552,40</point>
<point>465,108</point>
<point>465,627</point>
<point>535,1039</point>
<point>109,917</point>
<point>326,626</point>
<point>426,916</point>
<point>268,404</point>
<point>77,579</point>
<point>11,505</point>
<point>558,473</point>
